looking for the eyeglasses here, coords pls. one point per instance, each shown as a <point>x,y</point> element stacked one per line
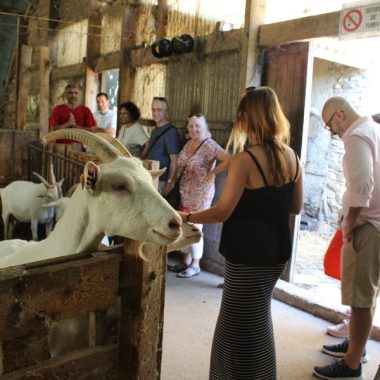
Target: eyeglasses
<point>328,124</point>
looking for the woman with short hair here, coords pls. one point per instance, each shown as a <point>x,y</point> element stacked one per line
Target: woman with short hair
<point>132,134</point>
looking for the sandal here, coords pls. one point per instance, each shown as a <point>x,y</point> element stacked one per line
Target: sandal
<point>189,272</point>
<point>177,267</point>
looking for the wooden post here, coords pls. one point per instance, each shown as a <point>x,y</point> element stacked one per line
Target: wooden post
<point>142,292</point>
<point>45,69</point>
<point>23,85</point>
<point>162,18</point>
<point>250,73</point>
<point>93,52</point>
<point>128,41</point>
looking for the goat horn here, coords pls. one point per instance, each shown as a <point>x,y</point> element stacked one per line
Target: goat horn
<point>52,176</point>
<point>116,143</point>
<point>42,179</point>
<point>102,148</point>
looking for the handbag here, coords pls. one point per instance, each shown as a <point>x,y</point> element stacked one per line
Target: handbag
<point>174,196</point>
<point>331,261</point>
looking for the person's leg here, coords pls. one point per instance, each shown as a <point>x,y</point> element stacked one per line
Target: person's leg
<point>360,328</point>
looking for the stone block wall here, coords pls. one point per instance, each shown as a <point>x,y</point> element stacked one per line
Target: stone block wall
<point>324,181</point>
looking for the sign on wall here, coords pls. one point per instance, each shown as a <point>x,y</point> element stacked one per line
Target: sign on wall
<point>360,21</point>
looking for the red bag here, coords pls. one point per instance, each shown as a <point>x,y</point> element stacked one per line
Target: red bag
<point>331,262</point>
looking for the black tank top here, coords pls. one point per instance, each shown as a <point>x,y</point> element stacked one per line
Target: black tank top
<point>257,232</point>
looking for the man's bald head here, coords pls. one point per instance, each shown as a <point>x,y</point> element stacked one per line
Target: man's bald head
<point>338,115</point>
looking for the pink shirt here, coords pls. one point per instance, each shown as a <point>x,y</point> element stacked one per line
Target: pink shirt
<point>361,167</point>
<point>197,192</point>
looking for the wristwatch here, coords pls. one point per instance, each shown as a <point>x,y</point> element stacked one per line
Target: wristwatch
<point>170,180</point>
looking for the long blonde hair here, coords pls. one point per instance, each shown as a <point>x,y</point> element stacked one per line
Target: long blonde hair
<point>260,119</point>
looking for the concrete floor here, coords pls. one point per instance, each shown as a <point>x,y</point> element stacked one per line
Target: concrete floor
<point>191,309</point>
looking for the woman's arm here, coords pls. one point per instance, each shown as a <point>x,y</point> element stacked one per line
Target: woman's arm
<point>297,197</point>
<point>235,184</point>
<point>225,160</point>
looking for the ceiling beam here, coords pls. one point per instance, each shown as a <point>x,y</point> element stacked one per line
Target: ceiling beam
<point>301,29</point>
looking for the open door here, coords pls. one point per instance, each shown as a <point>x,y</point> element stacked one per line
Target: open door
<point>288,69</point>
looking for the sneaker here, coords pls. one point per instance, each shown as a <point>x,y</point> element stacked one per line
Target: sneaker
<point>340,331</point>
<point>340,349</point>
<point>338,371</point>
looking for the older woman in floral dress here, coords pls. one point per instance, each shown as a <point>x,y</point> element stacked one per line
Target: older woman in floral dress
<point>196,168</point>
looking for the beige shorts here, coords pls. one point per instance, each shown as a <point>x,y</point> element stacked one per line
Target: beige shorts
<point>361,268</point>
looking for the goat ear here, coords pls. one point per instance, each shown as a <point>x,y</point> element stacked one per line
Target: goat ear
<point>157,173</point>
<point>91,175</point>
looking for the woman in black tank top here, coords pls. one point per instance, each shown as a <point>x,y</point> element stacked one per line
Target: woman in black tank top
<point>264,186</point>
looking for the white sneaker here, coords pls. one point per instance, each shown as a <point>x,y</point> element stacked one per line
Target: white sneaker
<point>342,330</point>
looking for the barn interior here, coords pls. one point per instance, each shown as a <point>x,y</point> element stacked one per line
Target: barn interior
<point>304,50</point>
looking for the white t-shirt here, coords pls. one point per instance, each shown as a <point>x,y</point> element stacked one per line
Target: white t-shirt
<point>133,138</point>
<point>106,120</point>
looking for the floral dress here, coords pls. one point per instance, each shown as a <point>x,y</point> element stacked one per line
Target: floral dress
<point>197,192</point>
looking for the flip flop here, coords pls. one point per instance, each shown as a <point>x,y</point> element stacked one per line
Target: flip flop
<point>177,267</point>
<point>189,272</point>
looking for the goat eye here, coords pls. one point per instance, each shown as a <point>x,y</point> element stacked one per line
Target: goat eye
<point>119,186</point>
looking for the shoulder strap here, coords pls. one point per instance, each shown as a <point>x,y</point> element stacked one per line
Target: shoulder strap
<point>295,154</point>
<point>258,166</point>
<point>158,137</point>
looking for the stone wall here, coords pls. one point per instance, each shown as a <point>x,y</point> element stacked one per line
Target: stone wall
<point>324,181</point>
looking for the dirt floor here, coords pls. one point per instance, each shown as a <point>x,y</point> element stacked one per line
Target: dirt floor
<point>311,247</point>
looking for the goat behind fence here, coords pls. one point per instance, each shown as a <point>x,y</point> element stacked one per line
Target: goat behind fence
<point>40,158</point>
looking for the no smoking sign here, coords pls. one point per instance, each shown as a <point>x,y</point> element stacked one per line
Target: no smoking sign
<point>352,20</point>
<point>361,21</point>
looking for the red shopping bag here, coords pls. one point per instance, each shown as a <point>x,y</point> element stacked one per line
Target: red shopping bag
<point>331,262</point>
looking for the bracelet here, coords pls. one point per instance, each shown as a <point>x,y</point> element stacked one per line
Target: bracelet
<point>188,215</point>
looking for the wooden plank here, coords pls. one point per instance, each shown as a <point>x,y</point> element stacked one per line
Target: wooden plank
<point>215,43</point>
<point>127,73</point>
<point>109,61</point>
<point>306,28</point>
<point>69,289</point>
<point>250,70</point>
<point>25,351</point>
<point>23,85</point>
<point>67,72</point>
<point>162,19</point>
<point>86,364</point>
<point>142,290</point>
<point>45,69</point>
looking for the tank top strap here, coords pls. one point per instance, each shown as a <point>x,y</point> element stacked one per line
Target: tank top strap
<point>258,166</point>
<point>295,155</point>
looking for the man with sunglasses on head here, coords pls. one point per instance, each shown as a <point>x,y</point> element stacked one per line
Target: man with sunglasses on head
<point>360,223</point>
<point>71,114</point>
<point>164,144</point>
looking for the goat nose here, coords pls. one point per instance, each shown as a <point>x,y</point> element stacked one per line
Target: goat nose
<point>175,223</point>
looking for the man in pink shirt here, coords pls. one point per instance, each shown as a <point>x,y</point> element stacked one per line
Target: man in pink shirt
<point>71,114</point>
<point>361,233</point>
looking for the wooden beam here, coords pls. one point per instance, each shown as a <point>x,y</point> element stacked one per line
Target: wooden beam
<point>130,20</point>
<point>23,85</point>
<point>250,72</point>
<point>162,19</point>
<point>109,61</point>
<point>45,68</point>
<point>67,72</point>
<point>306,28</point>
<point>218,42</point>
<point>94,31</point>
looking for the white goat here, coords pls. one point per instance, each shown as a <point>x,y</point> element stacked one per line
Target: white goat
<point>116,198</point>
<point>59,205</point>
<point>24,200</point>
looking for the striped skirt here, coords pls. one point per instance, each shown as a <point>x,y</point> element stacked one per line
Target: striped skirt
<point>243,346</point>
